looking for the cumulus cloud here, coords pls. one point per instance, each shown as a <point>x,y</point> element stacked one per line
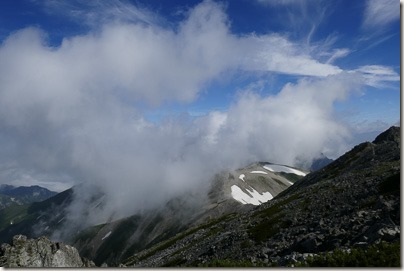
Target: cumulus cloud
<point>73,112</point>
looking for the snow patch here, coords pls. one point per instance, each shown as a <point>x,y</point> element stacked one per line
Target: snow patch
<point>279,168</point>
<point>258,171</point>
<point>254,198</point>
<point>106,235</point>
<point>241,177</point>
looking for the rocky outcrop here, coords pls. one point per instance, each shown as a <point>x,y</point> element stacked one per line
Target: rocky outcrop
<point>40,252</point>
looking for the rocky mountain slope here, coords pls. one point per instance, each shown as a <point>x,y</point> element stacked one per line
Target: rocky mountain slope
<point>41,252</point>
<point>354,202</point>
<point>11,195</point>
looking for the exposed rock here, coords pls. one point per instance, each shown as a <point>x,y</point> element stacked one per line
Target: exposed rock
<point>40,252</point>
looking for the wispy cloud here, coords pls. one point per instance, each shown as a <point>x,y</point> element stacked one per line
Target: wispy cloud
<point>302,17</point>
<point>380,13</point>
<point>378,76</point>
<point>96,13</point>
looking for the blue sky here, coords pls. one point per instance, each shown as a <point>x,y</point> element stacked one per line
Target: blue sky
<point>85,84</point>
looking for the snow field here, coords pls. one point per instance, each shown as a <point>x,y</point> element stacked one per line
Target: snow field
<point>254,198</point>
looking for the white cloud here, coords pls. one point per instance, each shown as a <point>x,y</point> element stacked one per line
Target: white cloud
<point>95,13</point>
<point>380,13</point>
<point>277,54</point>
<point>378,76</point>
<point>73,110</point>
<point>338,53</point>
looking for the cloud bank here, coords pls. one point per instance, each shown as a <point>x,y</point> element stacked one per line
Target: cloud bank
<point>74,112</point>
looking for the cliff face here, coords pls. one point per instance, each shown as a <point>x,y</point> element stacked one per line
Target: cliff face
<point>40,252</point>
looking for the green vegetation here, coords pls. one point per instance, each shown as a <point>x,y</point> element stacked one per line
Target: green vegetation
<point>143,242</point>
<point>271,222</point>
<point>13,214</point>
<point>377,255</point>
<point>266,228</point>
<point>88,233</point>
<point>290,176</point>
<point>114,244</point>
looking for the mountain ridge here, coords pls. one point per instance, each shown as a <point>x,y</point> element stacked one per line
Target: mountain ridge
<point>13,195</point>
<point>352,203</point>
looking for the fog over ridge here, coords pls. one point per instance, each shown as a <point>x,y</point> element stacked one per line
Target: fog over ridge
<point>71,110</point>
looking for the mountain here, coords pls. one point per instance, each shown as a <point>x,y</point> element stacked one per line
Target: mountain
<point>114,241</point>
<point>11,195</point>
<point>229,192</point>
<point>346,214</point>
<point>35,219</point>
<point>320,162</point>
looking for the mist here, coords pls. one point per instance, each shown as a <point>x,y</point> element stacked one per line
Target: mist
<point>74,113</point>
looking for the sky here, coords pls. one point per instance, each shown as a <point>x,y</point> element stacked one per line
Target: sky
<point>146,100</point>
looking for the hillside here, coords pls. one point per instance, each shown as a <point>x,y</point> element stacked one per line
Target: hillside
<point>353,204</point>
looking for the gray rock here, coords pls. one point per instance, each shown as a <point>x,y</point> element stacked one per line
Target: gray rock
<point>40,252</point>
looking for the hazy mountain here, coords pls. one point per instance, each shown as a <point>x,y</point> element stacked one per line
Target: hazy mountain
<point>320,162</point>
<point>11,195</point>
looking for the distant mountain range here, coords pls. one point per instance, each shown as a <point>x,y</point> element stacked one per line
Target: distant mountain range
<point>11,195</point>
<point>261,215</point>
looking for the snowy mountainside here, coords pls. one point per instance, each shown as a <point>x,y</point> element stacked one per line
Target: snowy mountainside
<point>258,183</point>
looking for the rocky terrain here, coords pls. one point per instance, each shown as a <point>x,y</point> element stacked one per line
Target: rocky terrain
<point>353,202</point>
<point>41,252</point>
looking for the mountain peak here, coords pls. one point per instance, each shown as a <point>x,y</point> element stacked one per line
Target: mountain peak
<point>391,134</point>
